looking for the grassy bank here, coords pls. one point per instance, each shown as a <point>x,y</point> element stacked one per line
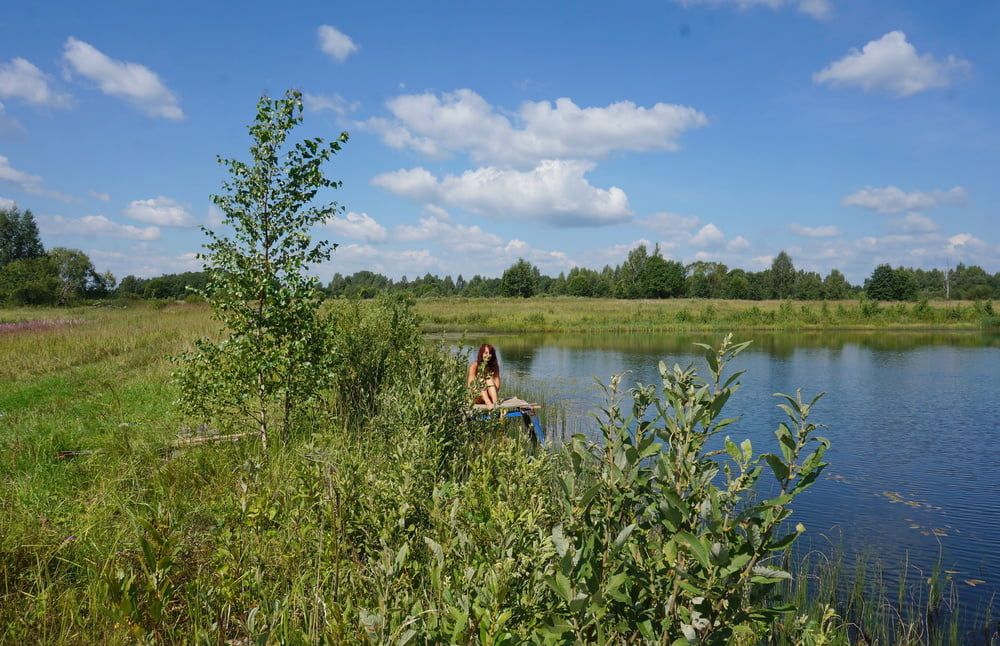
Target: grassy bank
<point>567,314</point>
<point>402,523</point>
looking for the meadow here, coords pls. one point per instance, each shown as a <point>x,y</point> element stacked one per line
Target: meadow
<point>568,314</point>
<point>388,516</point>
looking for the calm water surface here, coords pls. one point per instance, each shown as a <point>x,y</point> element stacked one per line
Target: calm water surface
<point>914,419</point>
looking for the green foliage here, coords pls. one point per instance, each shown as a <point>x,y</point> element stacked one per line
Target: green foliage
<point>275,360</point>
<point>77,276</point>
<point>62,276</point>
<point>808,286</point>
<point>706,279</point>
<point>782,275</point>
<point>835,286</point>
<point>372,345</point>
<point>653,544</point>
<point>29,281</point>
<point>661,278</point>
<point>888,284</point>
<point>172,286</point>
<point>520,279</point>
<point>18,236</point>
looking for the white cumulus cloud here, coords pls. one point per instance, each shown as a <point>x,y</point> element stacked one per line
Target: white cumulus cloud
<point>133,82</point>
<point>819,9</point>
<point>670,224</point>
<point>828,231</point>
<point>357,226</point>
<point>27,182</point>
<point>98,195</point>
<point>915,223</point>
<point>462,121</point>
<point>335,43</point>
<point>455,237</point>
<point>737,244</point>
<point>6,204</point>
<point>708,236</point>
<point>161,211</point>
<point>20,79</point>
<point>893,65</point>
<point>332,102</point>
<point>555,191</point>
<point>964,241</point>
<point>95,225</point>
<point>892,199</point>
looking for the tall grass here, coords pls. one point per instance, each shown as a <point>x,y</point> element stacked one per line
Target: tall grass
<point>566,314</point>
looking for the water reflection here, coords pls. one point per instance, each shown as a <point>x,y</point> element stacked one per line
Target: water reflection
<point>780,344</point>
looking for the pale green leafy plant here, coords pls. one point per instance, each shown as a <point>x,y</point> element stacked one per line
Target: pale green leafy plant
<point>665,540</point>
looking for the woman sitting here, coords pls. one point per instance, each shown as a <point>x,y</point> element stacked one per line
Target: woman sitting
<point>484,376</point>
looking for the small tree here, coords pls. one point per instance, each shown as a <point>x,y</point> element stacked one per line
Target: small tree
<point>782,275</point>
<point>888,284</point>
<point>276,357</point>
<point>661,278</point>
<point>835,286</point>
<point>18,236</point>
<point>520,279</point>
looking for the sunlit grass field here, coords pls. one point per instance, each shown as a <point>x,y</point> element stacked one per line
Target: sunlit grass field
<point>567,314</point>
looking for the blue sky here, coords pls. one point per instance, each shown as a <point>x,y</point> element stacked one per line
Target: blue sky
<point>846,133</point>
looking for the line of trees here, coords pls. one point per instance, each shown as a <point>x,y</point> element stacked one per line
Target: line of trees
<point>30,275</point>
<point>647,274</point>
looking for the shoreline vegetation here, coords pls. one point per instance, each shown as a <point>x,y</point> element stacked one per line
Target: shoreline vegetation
<point>564,314</point>
<point>568,314</point>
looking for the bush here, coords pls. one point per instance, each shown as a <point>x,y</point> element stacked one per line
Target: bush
<point>374,344</point>
<point>869,308</point>
<point>654,544</point>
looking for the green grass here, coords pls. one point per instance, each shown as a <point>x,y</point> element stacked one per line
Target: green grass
<point>566,314</point>
<point>131,542</point>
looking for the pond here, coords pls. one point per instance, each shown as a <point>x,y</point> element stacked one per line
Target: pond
<point>914,419</point>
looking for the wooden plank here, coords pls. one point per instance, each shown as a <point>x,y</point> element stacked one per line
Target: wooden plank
<point>211,439</point>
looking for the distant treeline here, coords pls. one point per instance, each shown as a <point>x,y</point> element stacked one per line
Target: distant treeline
<point>646,274</point>
<point>642,275</point>
<point>30,275</point>
<point>169,286</point>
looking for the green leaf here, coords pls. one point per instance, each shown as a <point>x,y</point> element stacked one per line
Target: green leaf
<point>616,581</point>
<point>623,535</point>
<point>766,574</point>
<point>783,542</point>
<point>733,451</point>
<point>559,540</point>
<point>436,549</point>
<point>561,585</point>
<point>779,468</point>
<point>696,547</point>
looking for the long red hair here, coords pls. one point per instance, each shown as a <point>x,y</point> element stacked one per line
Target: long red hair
<point>492,366</point>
